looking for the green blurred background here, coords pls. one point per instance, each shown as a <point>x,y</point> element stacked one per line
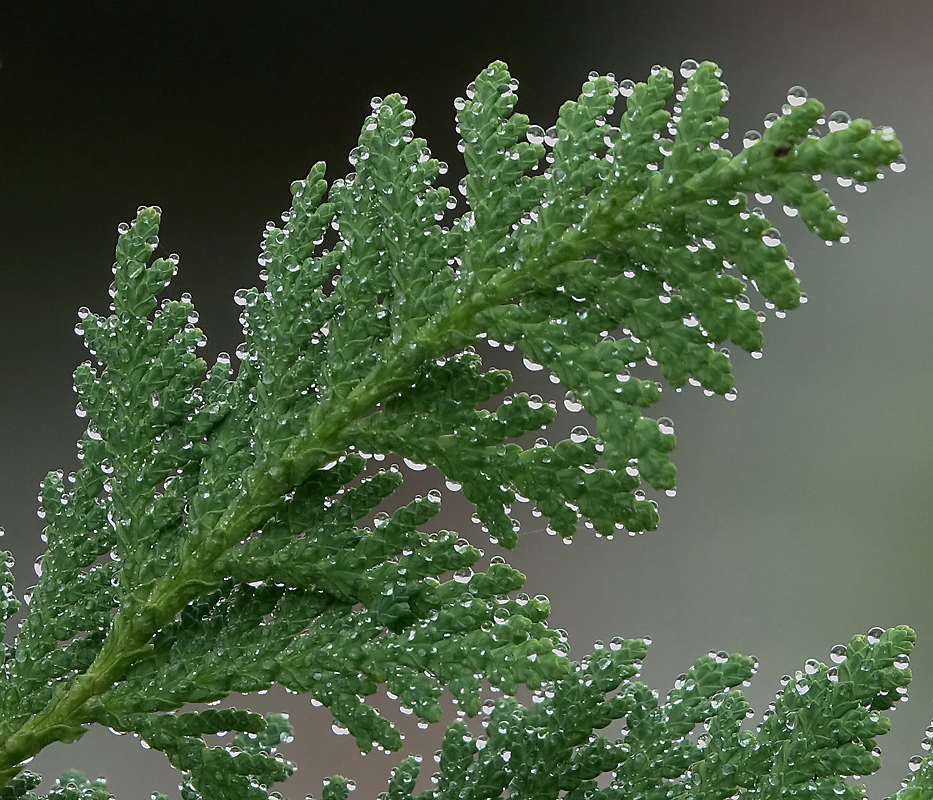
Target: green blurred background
<point>803,511</point>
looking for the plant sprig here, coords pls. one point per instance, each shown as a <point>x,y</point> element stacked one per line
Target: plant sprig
<point>209,542</point>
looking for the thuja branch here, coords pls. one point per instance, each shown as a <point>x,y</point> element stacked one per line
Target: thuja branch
<point>209,544</point>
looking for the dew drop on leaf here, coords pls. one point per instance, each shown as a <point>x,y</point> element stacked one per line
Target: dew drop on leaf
<point>772,237</point>
<point>530,365</point>
<point>463,575</point>
<point>535,134</point>
<point>838,120</point>
<point>838,653</point>
<point>796,95</point>
<point>688,67</point>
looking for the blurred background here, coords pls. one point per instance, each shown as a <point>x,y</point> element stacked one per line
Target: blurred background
<point>803,508</point>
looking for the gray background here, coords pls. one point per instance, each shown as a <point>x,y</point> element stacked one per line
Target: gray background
<point>802,512</point>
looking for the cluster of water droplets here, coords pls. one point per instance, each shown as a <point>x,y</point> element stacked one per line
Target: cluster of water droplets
<point>836,121</point>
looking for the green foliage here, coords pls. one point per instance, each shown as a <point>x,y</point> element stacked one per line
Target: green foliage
<point>210,541</point>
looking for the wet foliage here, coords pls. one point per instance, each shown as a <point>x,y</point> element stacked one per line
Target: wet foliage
<point>212,540</point>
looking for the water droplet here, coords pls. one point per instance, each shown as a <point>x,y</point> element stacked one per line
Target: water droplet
<point>666,424</point>
<point>902,661</point>
<point>838,120</point>
<point>688,67</point>
<point>899,164</point>
<point>579,434</point>
<point>571,403</point>
<point>530,365</point>
<point>838,653</point>
<point>914,764</point>
<point>751,137</point>
<point>535,134</point>
<point>415,465</point>
<point>123,228</point>
<point>796,95</point>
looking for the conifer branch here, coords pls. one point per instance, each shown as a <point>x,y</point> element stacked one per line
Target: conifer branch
<point>209,541</point>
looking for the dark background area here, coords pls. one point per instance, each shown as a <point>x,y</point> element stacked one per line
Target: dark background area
<point>803,508</point>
